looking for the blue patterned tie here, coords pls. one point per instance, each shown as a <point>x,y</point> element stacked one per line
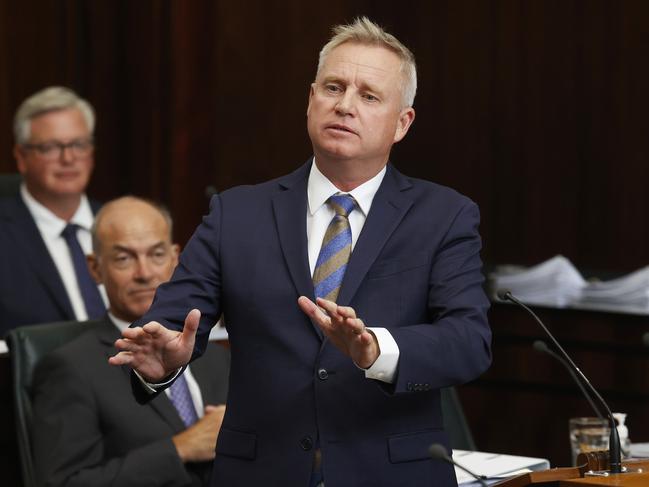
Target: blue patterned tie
<point>336,249</point>
<point>182,399</point>
<point>95,307</point>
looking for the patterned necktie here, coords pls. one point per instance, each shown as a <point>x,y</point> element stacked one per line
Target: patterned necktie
<point>336,249</point>
<point>182,399</point>
<point>95,307</point>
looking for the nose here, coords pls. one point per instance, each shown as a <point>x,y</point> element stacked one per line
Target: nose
<point>143,269</point>
<point>67,154</point>
<point>345,105</point>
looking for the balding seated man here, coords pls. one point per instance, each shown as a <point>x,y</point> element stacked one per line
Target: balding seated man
<point>88,429</point>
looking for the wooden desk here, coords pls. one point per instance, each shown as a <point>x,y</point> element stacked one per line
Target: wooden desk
<point>620,480</point>
<point>523,403</point>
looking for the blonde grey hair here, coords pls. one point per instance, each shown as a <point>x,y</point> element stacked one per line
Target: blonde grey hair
<point>364,31</point>
<point>162,209</point>
<point>50,99</point>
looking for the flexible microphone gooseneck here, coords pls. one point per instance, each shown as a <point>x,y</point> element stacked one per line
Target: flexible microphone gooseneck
<point>614,450</point>
<point>438,452</point>
<point>541,346</point>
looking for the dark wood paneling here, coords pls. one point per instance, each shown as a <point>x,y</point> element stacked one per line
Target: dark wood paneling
<point>537,110</point>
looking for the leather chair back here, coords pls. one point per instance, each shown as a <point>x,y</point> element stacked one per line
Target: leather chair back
<point>455,422</point>
<point>27,345</point>
<point>10,184</point>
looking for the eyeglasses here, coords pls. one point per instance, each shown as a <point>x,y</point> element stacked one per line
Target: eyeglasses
<point>54,149</point>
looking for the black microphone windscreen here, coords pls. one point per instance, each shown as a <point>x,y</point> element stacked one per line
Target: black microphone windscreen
<point>503,294</point>
<point>645,339</point>
<point>540,346</point>
<point>438,451</point>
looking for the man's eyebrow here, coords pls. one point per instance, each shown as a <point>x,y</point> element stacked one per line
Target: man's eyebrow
<point>122,248</point>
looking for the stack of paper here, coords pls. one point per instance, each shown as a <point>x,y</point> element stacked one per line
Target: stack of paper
<point>555,282</point>
<point>627,292</point>
<point>493,466</point>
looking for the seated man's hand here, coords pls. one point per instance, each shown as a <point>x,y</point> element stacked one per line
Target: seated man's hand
<point>197,443</point>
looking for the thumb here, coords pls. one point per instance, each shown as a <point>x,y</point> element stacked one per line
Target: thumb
<point>191,325</point>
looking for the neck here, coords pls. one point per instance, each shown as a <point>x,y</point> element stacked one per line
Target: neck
<point>62,206</point>
<point>347,175</point>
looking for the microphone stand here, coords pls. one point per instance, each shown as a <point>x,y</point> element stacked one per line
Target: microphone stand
<point>615,454</point>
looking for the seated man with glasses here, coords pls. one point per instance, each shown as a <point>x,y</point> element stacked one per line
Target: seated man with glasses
<point>45,229</point>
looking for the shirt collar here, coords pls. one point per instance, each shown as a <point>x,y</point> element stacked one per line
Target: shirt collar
<point>51,224</point>
<point>120,324</point>
<point>319,189</point>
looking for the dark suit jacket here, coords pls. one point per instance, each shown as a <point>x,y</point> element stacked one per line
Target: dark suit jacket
<point>89,430</point>
<point>415,270</point>
<point>31,289</point>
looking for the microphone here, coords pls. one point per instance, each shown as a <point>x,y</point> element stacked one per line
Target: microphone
<point>438,452</point>
<point>541,346</point>
<point>615,457</point>
<point>645,339</point>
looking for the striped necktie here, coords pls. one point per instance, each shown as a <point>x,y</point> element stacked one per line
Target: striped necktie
<point>336,249</point>
<point>181,398</point>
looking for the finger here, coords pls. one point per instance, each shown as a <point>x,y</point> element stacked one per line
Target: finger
<point>122,358</point>
<point>313,311</point>
<point>192,321</point>
<point>329,306</point>
<point>125,345</point>
<point>133,333</point>
<point>153,328</point>
<point>356,325</point>
<point>211,408</point>
<point>346,312</point>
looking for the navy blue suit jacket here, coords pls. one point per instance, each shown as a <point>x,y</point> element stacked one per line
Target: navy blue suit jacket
<point>415,270</point>
<point>31,289</point>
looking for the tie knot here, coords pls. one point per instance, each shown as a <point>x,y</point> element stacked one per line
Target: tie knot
<point>70,230</point>
<point>342,203</point>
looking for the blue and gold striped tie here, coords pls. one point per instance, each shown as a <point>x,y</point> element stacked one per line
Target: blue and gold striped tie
<point>336,249</point>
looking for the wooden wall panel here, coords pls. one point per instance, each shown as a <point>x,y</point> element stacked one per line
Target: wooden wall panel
<point>537,110</point>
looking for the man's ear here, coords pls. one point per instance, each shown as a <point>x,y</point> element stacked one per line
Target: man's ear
<point>93,267</point>
<point>19,155</point>
<point>406,117</point>
<point>311,93</point>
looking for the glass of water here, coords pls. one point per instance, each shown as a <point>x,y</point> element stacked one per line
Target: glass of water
<point>588,434</point>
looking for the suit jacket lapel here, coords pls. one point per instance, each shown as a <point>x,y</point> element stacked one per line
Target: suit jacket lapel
<point>290,206</point>
<point>389,206</point>
<point>27,237</point>
<point>107,334</point>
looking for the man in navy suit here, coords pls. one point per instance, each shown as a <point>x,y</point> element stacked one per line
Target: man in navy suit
<point>351,295</point>
<point>39,281</point>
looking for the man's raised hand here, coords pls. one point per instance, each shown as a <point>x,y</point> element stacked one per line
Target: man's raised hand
<point>155,351</point>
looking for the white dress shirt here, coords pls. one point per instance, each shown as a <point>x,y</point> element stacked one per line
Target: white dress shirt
<point>50,227</point>
<point>318,217</point>
<point>194,389</point>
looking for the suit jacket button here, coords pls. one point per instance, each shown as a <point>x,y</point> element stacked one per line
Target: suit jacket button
<point>323,374</point>
<point>306,443</point>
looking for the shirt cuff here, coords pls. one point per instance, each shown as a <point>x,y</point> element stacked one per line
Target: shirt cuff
<point>385,367</point>
<point>152,388</point>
